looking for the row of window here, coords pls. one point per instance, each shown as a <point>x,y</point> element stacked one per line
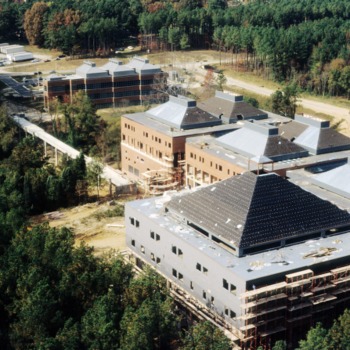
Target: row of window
<point>178,275</point>
<point>133,170</point>
<point>134,222</point>
<point>126,93</point>
<point>155,236</point>
<point>154,258</point>
<point>201,268</point>
<point>177,251</point>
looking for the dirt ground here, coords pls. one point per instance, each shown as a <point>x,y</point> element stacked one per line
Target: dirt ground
<point>89,226</point>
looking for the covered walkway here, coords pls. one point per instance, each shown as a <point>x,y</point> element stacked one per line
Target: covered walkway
<point>112,175</point>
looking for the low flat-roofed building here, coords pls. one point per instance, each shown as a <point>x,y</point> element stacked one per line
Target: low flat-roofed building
<point>264,258</point>
<point>112,84</point>
<point>153,142</point>
<point>254,145</point>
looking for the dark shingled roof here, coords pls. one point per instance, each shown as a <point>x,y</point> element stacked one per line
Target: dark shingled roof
<point>277,145</point>
<point>195,116</point>
<point>292,129</point>
<point>250,210</point>
<point>330,138</point>
<point>231,110</point>
<point>316,140</point>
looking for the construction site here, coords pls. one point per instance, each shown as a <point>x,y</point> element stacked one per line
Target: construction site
<point>266,270</point>
<point>155,182</point>
<point>287,309</point>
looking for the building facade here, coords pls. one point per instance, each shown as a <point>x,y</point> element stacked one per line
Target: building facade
<point>153,142</point>
<point>258,255</point>
<point>113,84</point>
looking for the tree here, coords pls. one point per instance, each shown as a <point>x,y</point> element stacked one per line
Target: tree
<point>221,81</point>
<point>280,345</point>
<point>148,321</point>
<point>94,172</point>
<point>315,339</point>
<point>8,133</point>
<point>285,102</point>
<point>34,23</point>
<point>205,336</point>
<point>251,100</point>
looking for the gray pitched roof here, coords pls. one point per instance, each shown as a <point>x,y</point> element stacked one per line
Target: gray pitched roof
<point>231,107</point>
<point>260,140</point>
<point>315,135</point>
<point>182,113</point>
<point>336,180</point>
<point>250,211</point>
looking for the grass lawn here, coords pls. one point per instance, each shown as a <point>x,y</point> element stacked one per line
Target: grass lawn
<point>112,115</point>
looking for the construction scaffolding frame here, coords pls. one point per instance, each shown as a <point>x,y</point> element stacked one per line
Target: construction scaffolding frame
<point>283,309</point>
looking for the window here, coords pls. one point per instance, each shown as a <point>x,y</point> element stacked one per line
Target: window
<point>179,252</point>
<point>225,284</point>
<point>152,234</point>
<point>157,237</point>
<point>137,223</point>
<point>132,221</point>
<point>220,167</point>
<point>212,299</point>
<point>142,249</point>
<point>191,285</point>
<point>133,242</point>
<point>233,289</point>
<point>174,273</point>
<point>181,277</point>
<point>174,249</point>
<point>204,294</point>
<point>158,261</point>
<point>232,314</point>
<point>152,257</point>
<point>205,270</point>
<point>199,267</point>
<point>226,311</point>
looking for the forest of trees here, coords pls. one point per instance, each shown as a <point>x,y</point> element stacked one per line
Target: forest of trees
<point>307,41</point>
<point>54,295</point>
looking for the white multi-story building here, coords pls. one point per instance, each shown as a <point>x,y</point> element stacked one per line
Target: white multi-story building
<point>261,256</point>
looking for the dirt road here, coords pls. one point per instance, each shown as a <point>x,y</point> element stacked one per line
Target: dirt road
<point>321,107</point>
<point>338,113</point>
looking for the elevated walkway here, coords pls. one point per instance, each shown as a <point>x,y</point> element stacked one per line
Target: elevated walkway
<point>112,175</point>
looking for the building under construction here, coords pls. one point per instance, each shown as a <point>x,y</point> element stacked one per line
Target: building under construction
<point>153,142</point>
<point>257,255</point>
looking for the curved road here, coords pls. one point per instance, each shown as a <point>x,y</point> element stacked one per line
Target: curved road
<point>339,113</point>
<point>321,107</point>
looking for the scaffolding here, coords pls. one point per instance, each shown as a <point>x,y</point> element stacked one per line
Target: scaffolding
<point>281,310</point>
<point>170,177</point>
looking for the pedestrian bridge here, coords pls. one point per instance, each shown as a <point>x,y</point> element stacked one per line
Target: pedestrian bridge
<point>113,176</point>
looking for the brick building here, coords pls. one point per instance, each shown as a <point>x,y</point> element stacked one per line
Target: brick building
<point>153,142</point>
<point>112,84</point>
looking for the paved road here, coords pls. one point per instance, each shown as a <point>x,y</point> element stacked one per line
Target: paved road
<point>110,174</point>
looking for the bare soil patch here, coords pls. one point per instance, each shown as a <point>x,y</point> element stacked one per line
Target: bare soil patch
<point>90,226</point>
